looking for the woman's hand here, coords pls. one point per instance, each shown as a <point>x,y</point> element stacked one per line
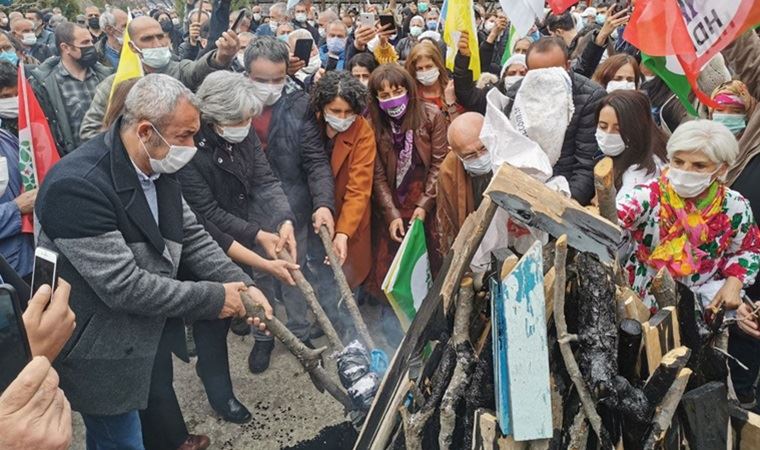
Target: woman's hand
<point>418,213</point>
<point>611,24</point>
<point>340,245</point>
<point>396,229</point>
<point>281,270</point>
<point>747,322</point>
<point>464,44</point>
<point>729,295</point>
<point>449,95</point>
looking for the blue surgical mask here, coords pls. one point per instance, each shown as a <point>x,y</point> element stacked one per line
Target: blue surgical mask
<point>283,38</point>
<point>534,36</point>
<point>432,25</point>
<point>600,18</point>
<point>10,56</point>
<point>336,44</point>
<point>736,123</point>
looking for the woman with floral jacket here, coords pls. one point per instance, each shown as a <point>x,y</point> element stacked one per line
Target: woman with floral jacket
<point>691,223</point>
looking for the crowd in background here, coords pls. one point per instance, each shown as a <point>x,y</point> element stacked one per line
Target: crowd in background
<point>180,189</point>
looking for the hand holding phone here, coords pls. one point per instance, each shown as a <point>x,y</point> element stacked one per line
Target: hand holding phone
<point>49,321</point>
<point>367,19</point>
<point>302,49</point>
<point>236,24</point>
<point>45,267</point>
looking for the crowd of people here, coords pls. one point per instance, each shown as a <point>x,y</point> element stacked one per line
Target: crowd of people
<point>213,174</point>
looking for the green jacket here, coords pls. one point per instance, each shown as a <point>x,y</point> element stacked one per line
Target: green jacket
<point>49,96</point>
<point>190,73</point>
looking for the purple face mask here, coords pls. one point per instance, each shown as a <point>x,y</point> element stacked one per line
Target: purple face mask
<point>396,106</point>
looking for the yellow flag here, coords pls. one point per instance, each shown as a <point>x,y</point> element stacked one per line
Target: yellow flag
<point>129,62</point>
<point>460,17</point>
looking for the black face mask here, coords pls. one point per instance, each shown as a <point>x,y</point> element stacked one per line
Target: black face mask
<point>167,26</point>
<point>94,23</point>
<point>89,56</point>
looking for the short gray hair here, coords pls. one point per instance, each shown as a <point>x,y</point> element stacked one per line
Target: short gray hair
<point>712,138</point>
<point>280,7</point>
<point>227,97</point>
<point>154,98</point>
<point>107,19</point>
<point>300,33</point>
<point>267,47</point>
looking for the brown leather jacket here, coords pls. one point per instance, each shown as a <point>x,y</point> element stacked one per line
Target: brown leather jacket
<point>431,145</point>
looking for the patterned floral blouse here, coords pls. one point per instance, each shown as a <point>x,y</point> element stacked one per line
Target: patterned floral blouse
<point>728,246</point>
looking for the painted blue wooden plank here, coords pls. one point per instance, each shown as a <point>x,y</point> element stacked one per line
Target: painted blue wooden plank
<point>527,350</point>
<point>499,345</point>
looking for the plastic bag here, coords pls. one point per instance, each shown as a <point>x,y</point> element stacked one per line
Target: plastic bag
<point>353,363</point>
<point>363,391</point>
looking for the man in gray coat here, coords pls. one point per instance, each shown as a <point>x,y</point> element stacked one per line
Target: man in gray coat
<point>153,47</point>
<point>114,212</point>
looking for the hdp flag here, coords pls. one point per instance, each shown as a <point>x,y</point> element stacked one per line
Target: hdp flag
<point>510,44</point>
<point>37,151</point>
<point>408,280</point>
<point>670,71</point>
<point>691,30</point>
<point>130,65</point>
<point>460,16</point>
<point>560,6</point>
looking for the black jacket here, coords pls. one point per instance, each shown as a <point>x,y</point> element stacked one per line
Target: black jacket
<point>296,152</point>
<point>576,161</point>
<point>225,182</point>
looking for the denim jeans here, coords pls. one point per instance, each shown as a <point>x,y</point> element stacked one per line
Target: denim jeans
<point>119,432</point>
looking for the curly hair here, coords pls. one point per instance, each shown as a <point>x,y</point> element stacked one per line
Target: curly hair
<point>341,84</point>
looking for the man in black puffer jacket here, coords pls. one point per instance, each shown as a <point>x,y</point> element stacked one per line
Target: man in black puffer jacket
<point>576,162</point>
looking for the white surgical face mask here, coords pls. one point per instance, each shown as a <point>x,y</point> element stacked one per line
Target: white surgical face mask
<point>338,124</point>
<point>478,166</point>
<point>689,184</point>
<point>314,64</point>
<point>510,80</point>
<point>489,26</point>
<point>322,32</point>
<point>241,58</point>
<point>156,58</point>
<point>610,144</point>
<point>301,17</point>
<point>415,30</point>
<point>177,158</point>
<point>648,78</point>
<point>620,85</point>
<point>273,25</point>
<point>29,39</point>
<point>428,77</point>
<point>9,107</point>
<point>3,175</point>
<point>268,93</point>
<point>235,135</point>
<point>257,17</point>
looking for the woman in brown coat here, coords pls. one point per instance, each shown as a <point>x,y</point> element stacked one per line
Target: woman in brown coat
<point>338,100</point>
<point>411,145</point>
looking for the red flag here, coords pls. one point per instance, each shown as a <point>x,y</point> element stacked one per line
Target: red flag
<point>37,149</point>
<point>694,31</point>
<point>560,6</point>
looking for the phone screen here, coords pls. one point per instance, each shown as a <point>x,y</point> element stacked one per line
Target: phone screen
<point>14,349</point>
<point>43,273</point>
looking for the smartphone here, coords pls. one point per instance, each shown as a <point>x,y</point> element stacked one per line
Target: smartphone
<point>44,271</point>
<point>236,23</point>
<point>386,19</point>
<point>14,346</point>
<point>303,49</point>
<point>367,20</point>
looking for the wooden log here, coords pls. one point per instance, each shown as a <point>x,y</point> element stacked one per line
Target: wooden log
<point>536,205</point>
<point>704,413</point>
<point>345,289</point>
<point>665,411</point>
<point>311,299</point>
<point>629,349</point>
<point>564,339</point>
<point>460,340</point>
<point>746,424</point>
<point>310,359</point>
<point>634,307</point>
<point>665,373</point>
<point>465,245</point>
<point>549,294</point>
<point>664,289</point>
<point>604,183</point>
<point>578,432</point>
<point>661,334</point>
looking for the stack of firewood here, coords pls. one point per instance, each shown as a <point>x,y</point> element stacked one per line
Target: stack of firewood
<point>553,350</point>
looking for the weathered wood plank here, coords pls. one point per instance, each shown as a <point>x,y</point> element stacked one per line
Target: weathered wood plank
<point>488,436</point>
<point>704,413</point>
<point>635,308</point>
<point>747,427</point>
<point>536,205</point>
<point>522,293</point>
<point>661,335</point>
<point>664,289</point>
<point>663,417</point>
